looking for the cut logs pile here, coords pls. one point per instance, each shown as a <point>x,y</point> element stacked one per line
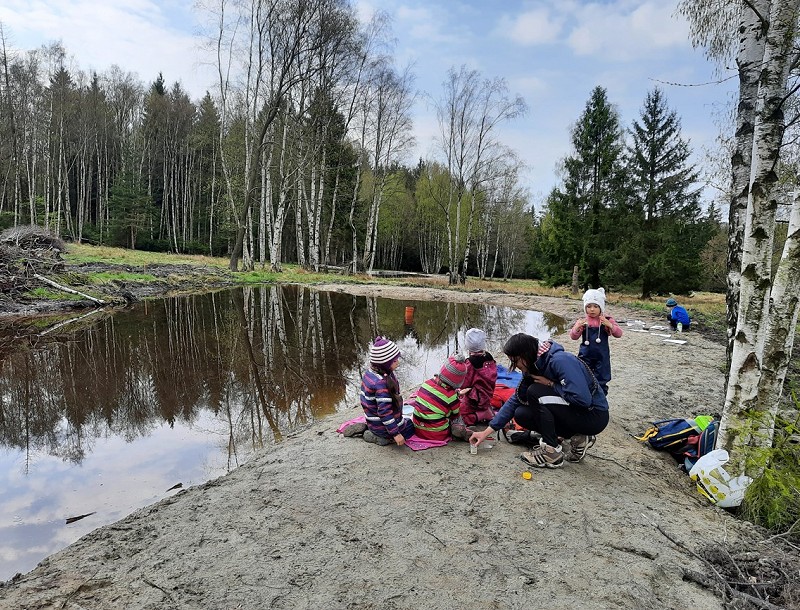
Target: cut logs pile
<point>25,251</point>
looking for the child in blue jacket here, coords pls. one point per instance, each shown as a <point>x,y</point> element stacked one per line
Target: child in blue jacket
<point>677,315</point>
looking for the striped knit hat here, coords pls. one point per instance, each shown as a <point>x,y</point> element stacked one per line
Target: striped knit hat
<point>454,371</point>
<point>383,351</point>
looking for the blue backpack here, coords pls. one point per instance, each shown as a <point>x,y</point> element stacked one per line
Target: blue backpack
<point>705,444</point>
<point>672,435</point>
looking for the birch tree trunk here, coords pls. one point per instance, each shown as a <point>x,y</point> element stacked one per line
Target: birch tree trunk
<point>747,421</point>
<point>752,39</point>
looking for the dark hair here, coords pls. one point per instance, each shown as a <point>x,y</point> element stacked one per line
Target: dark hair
<point>524,346</point>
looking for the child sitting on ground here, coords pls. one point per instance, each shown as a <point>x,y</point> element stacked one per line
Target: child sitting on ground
<point>481,378</point>
<point>677,315</point>
<point>380,397</point>
<point>436,415</point>
<point>594,331</point>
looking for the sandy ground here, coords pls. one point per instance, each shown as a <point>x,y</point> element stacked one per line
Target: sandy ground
<point>322,521</point>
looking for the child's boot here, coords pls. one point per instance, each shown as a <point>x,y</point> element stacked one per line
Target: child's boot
<point>459,430</point>
<point>354,429</point>
<point>371,437</point>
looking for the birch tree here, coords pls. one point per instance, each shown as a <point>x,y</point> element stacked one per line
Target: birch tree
<point>387,121</point>
<point>263,48</point>
<point>763,335</point>
<point>469,114</point>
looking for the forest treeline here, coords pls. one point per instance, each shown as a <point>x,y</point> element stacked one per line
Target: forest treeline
<point>299,154</point>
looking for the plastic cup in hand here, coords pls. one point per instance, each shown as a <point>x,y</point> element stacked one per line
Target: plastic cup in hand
<point>473,448</point>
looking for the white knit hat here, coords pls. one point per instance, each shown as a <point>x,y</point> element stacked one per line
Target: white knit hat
<point>598,297</point>
<point>475,340</point>
<point>383,351</point>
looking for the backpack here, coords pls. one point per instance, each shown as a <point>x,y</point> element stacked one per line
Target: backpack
<point>670,434</point>
<point>673,435</point>
<point>705,444</point>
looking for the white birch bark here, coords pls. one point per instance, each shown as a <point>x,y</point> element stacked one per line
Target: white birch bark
<point>746,420</point>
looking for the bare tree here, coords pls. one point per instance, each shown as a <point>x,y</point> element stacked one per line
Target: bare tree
<point>262,54</point>
<point>386,116</point>
<point>469,114</point>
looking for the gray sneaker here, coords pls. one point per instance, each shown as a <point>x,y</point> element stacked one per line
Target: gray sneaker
<point>371,437</point>
<point>544,456</point>
<point>578,445</point>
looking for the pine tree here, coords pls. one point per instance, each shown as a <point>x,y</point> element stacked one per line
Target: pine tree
<point>664,202</point>
<point>130,208</point>
<point>575,226</point>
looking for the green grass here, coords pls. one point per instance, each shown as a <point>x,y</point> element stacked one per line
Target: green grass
<point>106,277</point>
<point>52,295</point>
<point>84,253</point>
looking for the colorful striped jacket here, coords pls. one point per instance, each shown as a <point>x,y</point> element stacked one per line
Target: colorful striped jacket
<point>434,406</point>
<point>382,406</point>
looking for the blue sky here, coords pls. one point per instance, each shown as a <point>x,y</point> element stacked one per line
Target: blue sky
<point>551,52</point>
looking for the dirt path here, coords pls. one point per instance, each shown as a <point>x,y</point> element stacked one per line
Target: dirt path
<point>321,521</point>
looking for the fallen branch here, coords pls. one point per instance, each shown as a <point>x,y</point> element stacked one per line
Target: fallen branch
<point>67,289</point>
<point>435,536</point>
<point>756,601</point>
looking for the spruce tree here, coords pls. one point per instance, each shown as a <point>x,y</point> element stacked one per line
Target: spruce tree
<point>665,211</point>
<point>574,229</point>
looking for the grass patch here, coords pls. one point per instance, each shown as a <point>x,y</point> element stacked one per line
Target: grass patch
<point>106,277</point>
<point>84,253</point>
<point>50,294</point>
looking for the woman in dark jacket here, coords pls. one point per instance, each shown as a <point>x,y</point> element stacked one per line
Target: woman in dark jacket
<point>558,397</point>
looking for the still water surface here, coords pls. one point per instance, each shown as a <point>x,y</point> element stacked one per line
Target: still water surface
<point>109,417</point>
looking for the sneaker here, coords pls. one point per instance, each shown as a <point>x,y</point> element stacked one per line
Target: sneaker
<point>523,437</point>
<point>371,437</point>
<point>578,447</point>
<point>354,429</point>
<point>544,456</point>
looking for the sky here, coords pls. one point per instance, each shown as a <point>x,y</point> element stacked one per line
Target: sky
<point>550,52</point>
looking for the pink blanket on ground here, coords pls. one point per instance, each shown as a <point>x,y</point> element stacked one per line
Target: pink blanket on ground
<point>416,443</point>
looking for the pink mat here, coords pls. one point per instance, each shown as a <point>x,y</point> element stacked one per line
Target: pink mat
<point>416,443</point>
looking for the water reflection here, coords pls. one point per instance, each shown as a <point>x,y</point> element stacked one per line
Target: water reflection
<point>108,417</point>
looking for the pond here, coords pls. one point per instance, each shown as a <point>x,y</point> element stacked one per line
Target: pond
<point>128,408</point>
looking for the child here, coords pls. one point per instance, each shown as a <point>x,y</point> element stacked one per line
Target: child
<point>593,331</point>
<point>677,315</point>
<point>481,378</point>
<point>380,396</point>
<point>436,415</point>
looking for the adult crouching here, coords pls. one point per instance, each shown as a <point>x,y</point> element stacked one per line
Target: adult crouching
<point>558,397</point>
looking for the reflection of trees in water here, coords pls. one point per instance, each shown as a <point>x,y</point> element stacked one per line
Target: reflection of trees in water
<point>265,360</point>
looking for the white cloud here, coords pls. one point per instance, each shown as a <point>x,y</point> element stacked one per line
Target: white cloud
<point>134,34</point>
<point>626,30</point>
<point>537,26</point>
<point>529,86</point>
